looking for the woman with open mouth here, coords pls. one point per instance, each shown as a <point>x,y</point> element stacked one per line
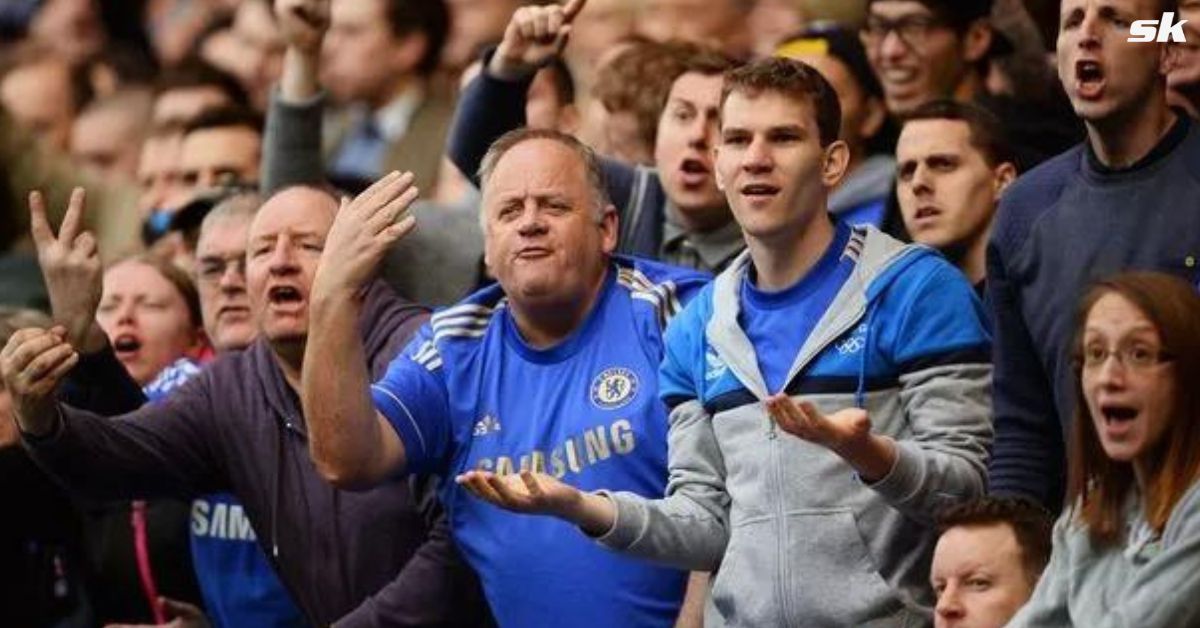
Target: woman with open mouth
<point>1127,547</point>
<point>150,311</point>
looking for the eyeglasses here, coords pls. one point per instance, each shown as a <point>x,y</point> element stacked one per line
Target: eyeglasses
<point>1132,357</point>
<point>912,29</point>
<point>212,269</point>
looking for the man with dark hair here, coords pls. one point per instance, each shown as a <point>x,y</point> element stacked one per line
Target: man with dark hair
<point>221,147</point>
<point>377,62</point>
<point>954,163</point>
<point>554,369</point>
<point>827,393</point>
<point>1124,199</point>
<point>924,50</point>
<point>674,213</point>
<point>988,560</point>
<point>436,265</point>
<point>160,187</point>
<point>218,148</point>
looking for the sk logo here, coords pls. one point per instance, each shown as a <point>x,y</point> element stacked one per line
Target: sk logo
<point>614,388</point>
<point>1163,30</point>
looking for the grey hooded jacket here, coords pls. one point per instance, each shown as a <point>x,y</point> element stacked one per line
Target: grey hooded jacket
<point>795,537</point>
<point>1149,581</point>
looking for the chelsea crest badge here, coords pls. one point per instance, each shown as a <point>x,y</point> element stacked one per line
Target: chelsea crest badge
<point>614,388</point>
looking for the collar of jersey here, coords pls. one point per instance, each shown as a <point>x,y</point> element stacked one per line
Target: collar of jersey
<point>572,343</point>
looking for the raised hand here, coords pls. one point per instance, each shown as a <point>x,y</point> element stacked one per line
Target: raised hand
<point>363,231</point>
<point>836,431</point>
<point>71,267</point>
<point>303,23</point>
<point>534,36</point>
<point>32,364</point>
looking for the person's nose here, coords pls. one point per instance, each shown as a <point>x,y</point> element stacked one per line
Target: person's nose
<point>531,222</point>
<point>233,279</point>
<point>949,603</point>
<point>283,260</point>
<point>758,159</point>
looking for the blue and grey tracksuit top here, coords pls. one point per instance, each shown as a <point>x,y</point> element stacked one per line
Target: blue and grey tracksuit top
<point>795,538</point>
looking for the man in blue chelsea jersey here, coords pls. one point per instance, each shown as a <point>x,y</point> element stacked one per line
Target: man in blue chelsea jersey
<point>553,370</point>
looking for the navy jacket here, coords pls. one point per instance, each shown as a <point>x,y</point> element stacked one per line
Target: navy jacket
<point>1061,226</point>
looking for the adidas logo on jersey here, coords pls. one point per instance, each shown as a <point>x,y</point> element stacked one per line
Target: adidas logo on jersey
<point>487,425</point>
<point>714,366</point>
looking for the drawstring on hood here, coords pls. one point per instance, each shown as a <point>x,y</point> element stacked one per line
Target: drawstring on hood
<point>860,392</point>
<point>277,490</point>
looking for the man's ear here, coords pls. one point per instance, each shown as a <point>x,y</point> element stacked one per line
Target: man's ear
<point>977,39</point>
<point>836,161</point>
<point>610,228</point>
<point>1005,174</point>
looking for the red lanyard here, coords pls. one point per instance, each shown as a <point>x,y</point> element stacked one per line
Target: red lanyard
<point>141,546</point>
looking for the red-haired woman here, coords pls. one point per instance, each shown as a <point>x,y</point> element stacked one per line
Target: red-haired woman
<point>1127,549</point>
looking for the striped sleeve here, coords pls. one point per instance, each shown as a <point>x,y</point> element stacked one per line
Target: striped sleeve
<point>678,381</point>
<point>412,396</point>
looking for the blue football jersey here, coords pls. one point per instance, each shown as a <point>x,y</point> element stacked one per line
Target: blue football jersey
<point>469,393</point>
<point>239,586</point>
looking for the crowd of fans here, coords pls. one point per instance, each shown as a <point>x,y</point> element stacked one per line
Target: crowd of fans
<point>628,313</point>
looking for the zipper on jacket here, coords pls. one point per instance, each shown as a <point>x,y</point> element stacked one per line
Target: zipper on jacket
<point>781,588</point>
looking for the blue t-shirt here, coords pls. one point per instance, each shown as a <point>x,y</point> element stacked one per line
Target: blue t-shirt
<point>237,583</point>
<point>778,323</point>
<point>469,393</point>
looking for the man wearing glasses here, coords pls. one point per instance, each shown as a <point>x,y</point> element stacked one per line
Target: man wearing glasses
<point>925,50</point>
<point>221,273</point>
